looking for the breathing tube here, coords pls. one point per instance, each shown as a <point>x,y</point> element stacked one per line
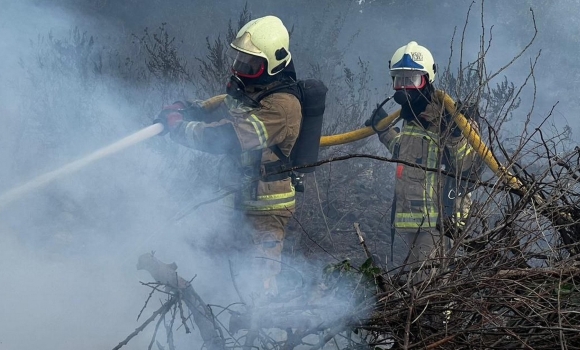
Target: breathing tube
<point>375,113</point>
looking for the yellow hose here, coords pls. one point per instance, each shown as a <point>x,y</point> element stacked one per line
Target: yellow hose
<point>358,134</point>
<point>470,133</point>
<point>213,102</point>
<point>477,143</point>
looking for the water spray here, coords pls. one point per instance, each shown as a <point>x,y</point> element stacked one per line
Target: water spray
<point>47,178</point>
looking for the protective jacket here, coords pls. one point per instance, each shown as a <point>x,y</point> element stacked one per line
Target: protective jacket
<point>247,133</point>
<point>417,191</point>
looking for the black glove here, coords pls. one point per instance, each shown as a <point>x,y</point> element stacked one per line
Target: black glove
<point>170,116</point>
<point>377,115</point>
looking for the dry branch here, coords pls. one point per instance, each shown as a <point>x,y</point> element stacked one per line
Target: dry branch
<point>161,311</point>
<point>202,315</point>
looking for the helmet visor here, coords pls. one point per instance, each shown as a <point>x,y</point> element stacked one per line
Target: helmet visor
<point>245,65</point>
<point>408,80</point>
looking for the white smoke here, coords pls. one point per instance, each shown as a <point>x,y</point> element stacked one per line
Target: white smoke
<point>69,248</point>
<point>68,251</point>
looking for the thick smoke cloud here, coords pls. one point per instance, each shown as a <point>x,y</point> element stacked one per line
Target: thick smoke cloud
<point>68,251</point>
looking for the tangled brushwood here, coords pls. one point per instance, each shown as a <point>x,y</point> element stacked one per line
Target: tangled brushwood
<point>513,282</point>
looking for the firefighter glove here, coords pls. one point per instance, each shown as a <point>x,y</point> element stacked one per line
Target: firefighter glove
<point>170,116</point>
<point>377,115</point>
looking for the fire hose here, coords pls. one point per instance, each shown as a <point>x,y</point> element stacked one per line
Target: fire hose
<point>468,131</point>
<point>472,136</point>
<point>563,220</point>
<point>332,140</point>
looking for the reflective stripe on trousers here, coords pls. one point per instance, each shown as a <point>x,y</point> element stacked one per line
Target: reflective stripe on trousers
<point>272,201</point>
<point>415,220</point>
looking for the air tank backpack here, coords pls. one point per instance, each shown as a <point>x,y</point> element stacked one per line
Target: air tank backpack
<point>312,96</point>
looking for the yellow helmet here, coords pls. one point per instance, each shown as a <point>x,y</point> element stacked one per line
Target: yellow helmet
<point>262,40</point>
<point>409,64</point>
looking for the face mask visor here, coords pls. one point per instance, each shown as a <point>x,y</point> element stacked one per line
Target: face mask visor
<point>408,79</point>
<point>246,65</point>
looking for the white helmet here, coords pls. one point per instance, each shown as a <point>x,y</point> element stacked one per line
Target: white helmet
<point>264,39</point>
<point>409,64</point>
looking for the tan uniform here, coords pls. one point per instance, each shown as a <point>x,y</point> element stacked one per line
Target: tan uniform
<point>418,192</point>
<point>267,202</point>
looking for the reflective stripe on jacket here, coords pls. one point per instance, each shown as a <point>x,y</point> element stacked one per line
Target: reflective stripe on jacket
<point>275,122</point>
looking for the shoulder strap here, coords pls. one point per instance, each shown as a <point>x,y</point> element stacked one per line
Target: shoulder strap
<point>283,158</point>
<point>288,87</point>
<point>292,88</point>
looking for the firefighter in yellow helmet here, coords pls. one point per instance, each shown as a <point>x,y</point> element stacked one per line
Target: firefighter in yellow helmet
<point>258,124</point>
<point>425,200</point>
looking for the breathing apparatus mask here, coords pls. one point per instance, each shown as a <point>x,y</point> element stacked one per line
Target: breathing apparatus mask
<point>245,65</point>
<point>410,97</point>
<point>409,87</point>
<point>236,87</point>
<point>249,77</point>
<point>246,69</point>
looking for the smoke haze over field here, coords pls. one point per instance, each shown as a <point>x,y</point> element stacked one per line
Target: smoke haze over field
<point>68,251</point>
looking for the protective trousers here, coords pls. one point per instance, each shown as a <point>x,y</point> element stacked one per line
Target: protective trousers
<point>266,232</point>
<point>426,247</point>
